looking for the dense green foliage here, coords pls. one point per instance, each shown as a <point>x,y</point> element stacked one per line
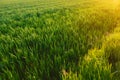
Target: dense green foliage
<point>59,40</point>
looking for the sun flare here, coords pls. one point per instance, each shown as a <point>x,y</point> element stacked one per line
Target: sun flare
<point>116,3</point>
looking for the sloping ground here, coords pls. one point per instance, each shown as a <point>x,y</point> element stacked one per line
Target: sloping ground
<point>100,64</point>
<point>112,51</point>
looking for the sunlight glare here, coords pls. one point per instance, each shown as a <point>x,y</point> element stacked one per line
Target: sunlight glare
<point>116,3</point>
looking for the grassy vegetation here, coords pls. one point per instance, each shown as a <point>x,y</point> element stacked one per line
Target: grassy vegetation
<point>59,40</point>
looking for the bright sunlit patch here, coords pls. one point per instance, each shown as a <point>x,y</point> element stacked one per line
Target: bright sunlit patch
<point>116,3</point>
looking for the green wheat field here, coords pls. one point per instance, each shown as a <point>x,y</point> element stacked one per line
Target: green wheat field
<point>59,39</point>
